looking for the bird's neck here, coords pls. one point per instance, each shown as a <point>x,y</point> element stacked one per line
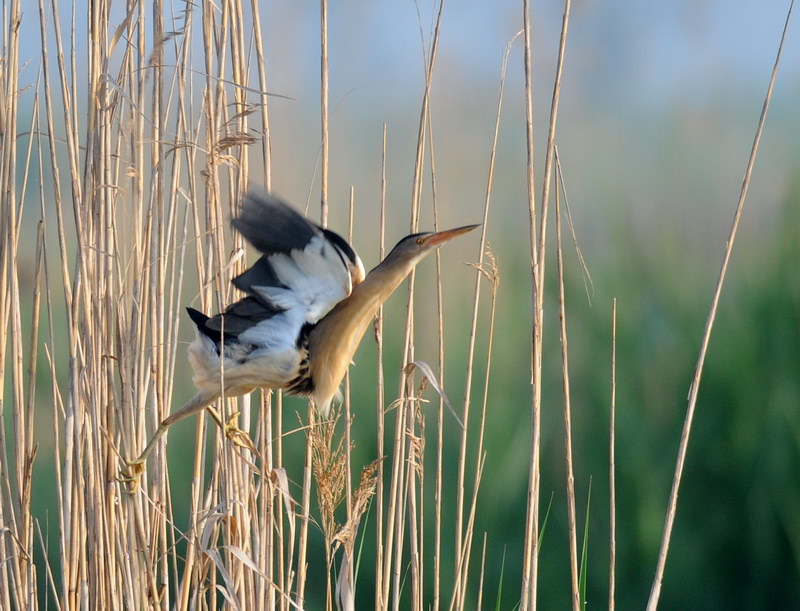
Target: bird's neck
<point>368,296</point>
<point>335,338</point>
<point>382,281</point>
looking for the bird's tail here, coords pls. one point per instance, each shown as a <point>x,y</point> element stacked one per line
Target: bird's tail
<point>198,318</point>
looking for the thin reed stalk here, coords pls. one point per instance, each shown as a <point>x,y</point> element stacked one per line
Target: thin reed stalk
<point>562,316</point>
<point>380,399</point>
<point>669,520</point>
<point>437,526</point>
<point>538,242</point>
<point>323,107</point>
<point>612,468</point>
<point>491,273</point>
<point>462,559</point>
<point>530,553</point>
<point>401,481</point>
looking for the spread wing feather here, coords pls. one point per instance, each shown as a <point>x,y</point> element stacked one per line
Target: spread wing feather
<point>304,271</point>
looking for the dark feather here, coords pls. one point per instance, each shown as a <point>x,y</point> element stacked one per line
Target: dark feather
<point>261,274</point>
<point>201,322</point>
<point>342,246</point>
<point>272,226</point>
<point>240,316</point>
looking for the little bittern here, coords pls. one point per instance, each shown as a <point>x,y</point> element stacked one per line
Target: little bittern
<point>307,307</point>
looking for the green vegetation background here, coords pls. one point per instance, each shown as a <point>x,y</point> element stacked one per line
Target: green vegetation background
<point>736,543</point>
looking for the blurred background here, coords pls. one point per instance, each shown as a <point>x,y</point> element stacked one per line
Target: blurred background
<point>659,106</point>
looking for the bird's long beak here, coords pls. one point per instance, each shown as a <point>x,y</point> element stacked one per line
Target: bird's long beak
<point>436,239</point>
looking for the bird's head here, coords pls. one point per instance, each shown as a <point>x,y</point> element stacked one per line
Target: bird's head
<point>411,249</point>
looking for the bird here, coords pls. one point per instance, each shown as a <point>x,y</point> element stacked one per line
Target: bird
<point>307,305</point>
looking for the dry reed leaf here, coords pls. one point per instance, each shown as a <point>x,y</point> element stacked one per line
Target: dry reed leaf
<point>588,284</point>
<point>248,561</point>
<point>7,531</point>
<point>279,479</point>
<point>234,530</point>
<point>345,594</point>
<point>210,520</point>
<point>242,555</point>
<point>434,382</point>
<point>228,591</point>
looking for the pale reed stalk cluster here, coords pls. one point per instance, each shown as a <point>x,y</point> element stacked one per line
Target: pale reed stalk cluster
<point>117,191</point>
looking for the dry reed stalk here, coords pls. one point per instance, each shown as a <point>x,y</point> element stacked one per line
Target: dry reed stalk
<point>142,268</point>
<point>380,399</point>
<point>439,478</point>
<point>17,578</point>
<point>538,242</point>
<point>462,559</point>
<point>236,141</point>
<point>415,474</point>
<point>348,421</point>
<point>530,554</point>
<point>416,435</point>
<point>185,138</point>
<point>324,143</point>
<point>669,520</point>
<point>305,518</point>
<point>266,139</point>
<point>418,440</point>
<point>479,604</point>
<point>562,315</point>
<point>492,275</point>
<point>63,470</point>
<point>155,169</point>
<point>395,530</point>
<point>323,108</point>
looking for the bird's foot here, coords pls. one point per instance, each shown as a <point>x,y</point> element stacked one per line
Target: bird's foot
<point>237,436</point>
<point>131,474</point>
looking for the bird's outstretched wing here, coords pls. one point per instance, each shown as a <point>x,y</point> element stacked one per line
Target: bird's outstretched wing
<point>304,271</point>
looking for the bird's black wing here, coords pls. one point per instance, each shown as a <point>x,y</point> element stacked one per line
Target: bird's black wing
<point>236,319</point>
<point>271,225</point>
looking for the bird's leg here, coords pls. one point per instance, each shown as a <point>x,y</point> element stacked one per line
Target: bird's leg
<point>134,468</point>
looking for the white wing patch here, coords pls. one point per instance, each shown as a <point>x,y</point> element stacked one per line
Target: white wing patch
<point>316,279</point>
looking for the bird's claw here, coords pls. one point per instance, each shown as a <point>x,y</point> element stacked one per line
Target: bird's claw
<point>132,474</point>
<point>237,436</point>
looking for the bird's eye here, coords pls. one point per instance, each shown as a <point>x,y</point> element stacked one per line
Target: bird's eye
<point>420,241</point>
